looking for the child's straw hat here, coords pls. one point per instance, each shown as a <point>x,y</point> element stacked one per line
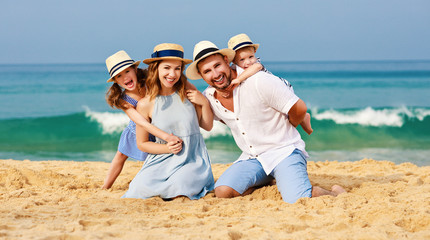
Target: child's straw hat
<point>118,62</point>
<point>240,41</point>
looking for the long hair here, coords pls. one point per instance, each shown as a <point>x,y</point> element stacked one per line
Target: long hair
<point>115,94</point>
<point>154,85</point>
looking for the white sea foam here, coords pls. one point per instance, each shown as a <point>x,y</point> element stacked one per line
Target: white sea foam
<point>109,122</point>
<point>421,113</point>
<point>116,122</point>
<point>394,117</point>
<point>219,129</point>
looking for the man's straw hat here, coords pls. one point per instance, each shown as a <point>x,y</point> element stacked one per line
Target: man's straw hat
<point>203,50</point>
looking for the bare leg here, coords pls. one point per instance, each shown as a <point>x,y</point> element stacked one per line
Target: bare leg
<point>115,169</point>
<point>306,124</point>
<point>335,190</point>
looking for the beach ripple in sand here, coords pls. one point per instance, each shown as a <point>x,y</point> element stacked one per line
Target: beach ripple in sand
<point>63,200</point>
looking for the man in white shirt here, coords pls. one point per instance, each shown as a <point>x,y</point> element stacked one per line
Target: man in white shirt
<point>261,113</point>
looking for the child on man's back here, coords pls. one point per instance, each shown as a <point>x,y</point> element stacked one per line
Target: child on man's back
<point>246,59</point>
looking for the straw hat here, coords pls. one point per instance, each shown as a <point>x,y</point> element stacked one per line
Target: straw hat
<point>167,51</point>
<point>240,41</point>
<point>118,62</point>
<point>202,50</point>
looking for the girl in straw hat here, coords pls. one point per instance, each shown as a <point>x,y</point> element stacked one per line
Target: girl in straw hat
<point>176,110</point>
<point>127,89</point>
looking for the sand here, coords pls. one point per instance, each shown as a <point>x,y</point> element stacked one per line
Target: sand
<point>63,200</point>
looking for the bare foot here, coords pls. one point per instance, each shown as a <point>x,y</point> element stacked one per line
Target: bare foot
<point>306,124</point>
<point>319,191</point>
<point>337,189</point>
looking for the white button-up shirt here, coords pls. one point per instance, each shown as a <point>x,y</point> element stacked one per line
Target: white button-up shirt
<point>259,123</point>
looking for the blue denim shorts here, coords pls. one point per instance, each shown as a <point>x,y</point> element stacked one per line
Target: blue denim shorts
<point>291,177</point>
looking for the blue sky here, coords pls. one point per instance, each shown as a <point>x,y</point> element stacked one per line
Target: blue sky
<point>81,31</point>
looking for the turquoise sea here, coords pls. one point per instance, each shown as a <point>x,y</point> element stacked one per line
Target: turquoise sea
<point>378,110</point>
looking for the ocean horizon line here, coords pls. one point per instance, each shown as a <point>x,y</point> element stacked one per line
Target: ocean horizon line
<point>266,61</point>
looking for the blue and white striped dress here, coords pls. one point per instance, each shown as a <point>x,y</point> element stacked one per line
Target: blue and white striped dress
<point>127,143</point>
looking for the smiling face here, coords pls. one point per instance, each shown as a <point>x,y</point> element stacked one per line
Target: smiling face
<point>245,57</point>
<point>169,73</point>
<point>127,79</point>
<point>215,71</point>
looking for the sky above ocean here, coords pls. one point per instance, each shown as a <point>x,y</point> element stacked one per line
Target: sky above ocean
<point>79,31</point>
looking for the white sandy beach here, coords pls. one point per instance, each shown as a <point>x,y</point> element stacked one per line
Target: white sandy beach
<point>63,200</point>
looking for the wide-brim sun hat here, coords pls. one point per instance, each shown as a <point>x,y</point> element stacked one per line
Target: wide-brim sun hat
<point>203,50</point>
<point>165,51</point>
<point>118,62</point>
<point>240,41</point>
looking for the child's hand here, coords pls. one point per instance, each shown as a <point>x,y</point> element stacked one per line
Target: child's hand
<point>173,138</point>
<point>174,147</point>
<point>235,82</point>
<point>196,97</point>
